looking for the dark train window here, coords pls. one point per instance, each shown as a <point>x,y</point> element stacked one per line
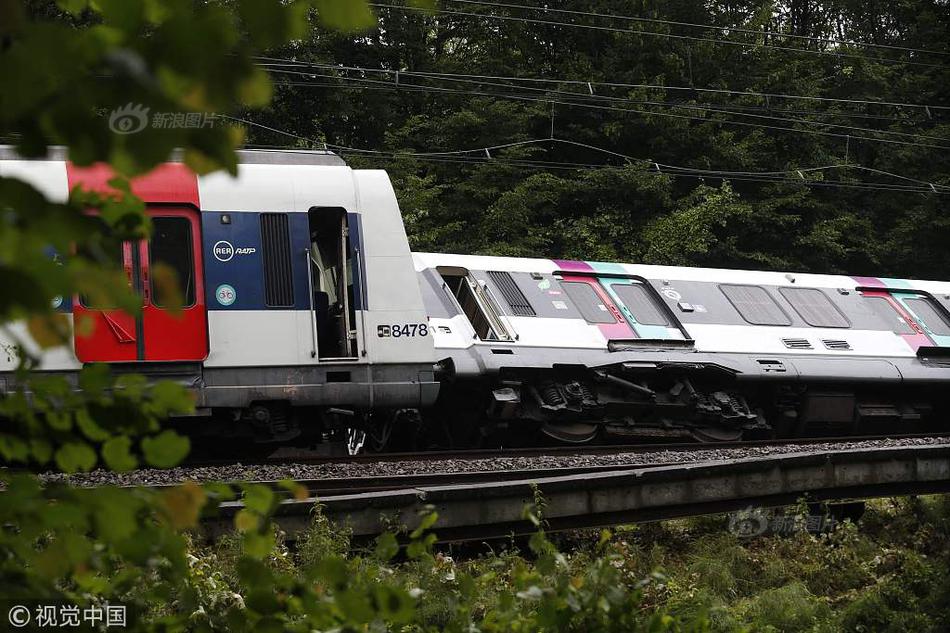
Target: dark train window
<point>278,271</point>
<point>755,305</point>
<point>890,315</point>
<point>927,313</point>
<point>115,255</point>
<point>815,308</point>
<point>171,246</point>
<point>586,300</point>
<point>512,293</point>
<point>640,303</point>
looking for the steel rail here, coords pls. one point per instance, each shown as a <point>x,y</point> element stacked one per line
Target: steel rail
<point>296,456</point>
<point>474,511</point>
<point>330,486</point>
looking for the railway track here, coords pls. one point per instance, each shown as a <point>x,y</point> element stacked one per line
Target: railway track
<point>319,488</point>
<point>475,506</point>
<point>304,456</point>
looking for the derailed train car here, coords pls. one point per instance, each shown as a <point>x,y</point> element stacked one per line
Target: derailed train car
<point>306,312</point>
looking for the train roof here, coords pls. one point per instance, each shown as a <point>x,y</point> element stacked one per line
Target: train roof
<point>679,273</point>
<point>245,156</point>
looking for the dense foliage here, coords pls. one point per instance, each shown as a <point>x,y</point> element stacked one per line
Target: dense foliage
<point>525,200</point>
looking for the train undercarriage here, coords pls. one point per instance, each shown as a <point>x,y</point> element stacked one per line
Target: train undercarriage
<point>615,404</point>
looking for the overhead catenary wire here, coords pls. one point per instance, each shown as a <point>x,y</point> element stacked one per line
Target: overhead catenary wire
<point>609,84</point>
<point>713,27</point>
<point>507,18</point>
<point>470,155</point>
<point>607,98</point>
<point>548,100</point>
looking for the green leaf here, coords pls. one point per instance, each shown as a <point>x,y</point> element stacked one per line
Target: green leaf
<point>258,545</point>
<point>94,379</point>
<point>386,546</point>
<point>258,498</point>
<point>183,504</point>
<point>89,427</point>
<point>166,449</point>
<point>13,448</point>
<point>169,397</point>
<point>256,89</point>
<point>41,449</point>
<point>345,15</point>
<point>428,520</point>
<point>75,457</point>
<point>117,454</point>
<point>393,604</point>
<point>299,491</point>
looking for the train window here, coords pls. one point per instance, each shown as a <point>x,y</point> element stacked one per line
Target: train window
<point>890,315</point>
<point>278,273</point>
<point>171,247</point>
<point>928,315</point>
<point>755,305</point>
<point>815,308</point>
<point>512,293</point>
<point>474,303</point>
<point>640,304</point>
<point>115,256</point>
<point>586,300</point>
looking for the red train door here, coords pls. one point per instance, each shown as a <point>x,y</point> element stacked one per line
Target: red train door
<point>162,332</point>
<point>104,333</point>
<point>174,248</point>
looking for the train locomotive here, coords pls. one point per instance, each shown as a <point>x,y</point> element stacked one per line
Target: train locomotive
<point>307,315</point>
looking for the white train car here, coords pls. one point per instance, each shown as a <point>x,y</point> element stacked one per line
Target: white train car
<point>306,311</point>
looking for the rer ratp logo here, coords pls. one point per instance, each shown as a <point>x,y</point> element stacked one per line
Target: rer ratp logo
<point>224,251</point>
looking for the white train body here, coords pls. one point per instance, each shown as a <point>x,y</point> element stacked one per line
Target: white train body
<point>302,295</point>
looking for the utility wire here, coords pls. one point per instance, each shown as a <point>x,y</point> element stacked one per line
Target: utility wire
<point>675,170</point>
<point>594,97</point>
<point>505,18</point>
<point>385,86</point>
<point>711,27</point>
<point>548,101</point>
<point>583,82</point>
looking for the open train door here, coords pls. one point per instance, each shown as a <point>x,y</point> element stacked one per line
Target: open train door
<point>162,331</point>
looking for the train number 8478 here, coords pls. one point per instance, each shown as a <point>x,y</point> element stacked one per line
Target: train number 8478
<point>399,330</point>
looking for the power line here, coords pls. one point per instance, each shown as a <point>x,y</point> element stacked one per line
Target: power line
<point>661,168</point>
<point>584,82</point>
<point>595,97</point>
<point>713,27</point>
<point>548,100</point>
<point>611,29</point>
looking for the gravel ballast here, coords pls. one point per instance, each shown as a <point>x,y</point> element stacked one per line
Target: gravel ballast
<point>342,469</point>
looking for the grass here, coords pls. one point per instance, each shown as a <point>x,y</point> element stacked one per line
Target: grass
<point>890,571</point>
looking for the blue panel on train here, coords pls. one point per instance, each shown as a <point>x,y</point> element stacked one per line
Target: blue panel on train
<point>234,277</point>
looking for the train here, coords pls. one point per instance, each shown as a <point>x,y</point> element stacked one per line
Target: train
<point>307,315</point>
